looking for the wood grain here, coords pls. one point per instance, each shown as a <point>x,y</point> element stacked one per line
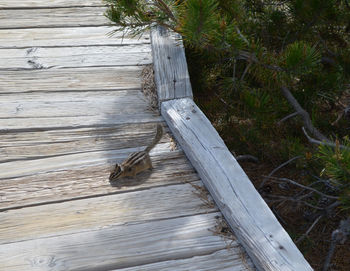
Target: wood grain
<point>265,240</point>
<point>43,144</point>
<point>67,57</point>
<point>70,109</point>
<point>47,111</point>
<point>70,79</point>
<point>39,105</point>
<point>73,122</point>
<point>50,3</point>
<point>71,160</point>
<point>170,66</point>
<point>52,17</point>
<point>117,246</point>
<point>222,260</point>
<point>73,179</point>
<point>66,36</point>
<point>96,213</point>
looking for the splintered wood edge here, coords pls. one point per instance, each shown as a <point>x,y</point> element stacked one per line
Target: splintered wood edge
<point>256,227</point>
<point>170,66</point>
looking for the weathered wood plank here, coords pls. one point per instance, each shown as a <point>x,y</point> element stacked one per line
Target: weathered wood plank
<point>65,162</point>
<point>74,122</point>
<point>75,79</point>
<point>95,213</point>
<point>86,176</point>
<point>70,104</point>
<point>170,66</point>
<point>117,246</point>
<point>269,246</point>
<point>73,110</point>
<point>67,57</point>
<point>51,3</point>
<point>75,36</point>
<point>52,17</point>
<point>42,144</point>
<point>222,260</point>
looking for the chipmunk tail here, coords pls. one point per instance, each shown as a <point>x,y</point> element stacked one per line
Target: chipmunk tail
<point>157,137</point>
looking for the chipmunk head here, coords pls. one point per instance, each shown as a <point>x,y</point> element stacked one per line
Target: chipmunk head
<point>116,172</point>
<point>122,170</point>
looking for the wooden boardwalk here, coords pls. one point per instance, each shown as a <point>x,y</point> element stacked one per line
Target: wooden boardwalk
<point>70,108</point>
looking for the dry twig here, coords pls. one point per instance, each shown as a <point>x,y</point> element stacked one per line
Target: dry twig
<point>338,236</point>
<point>287,117</point>
<point>301,238</point>
<point>303,186</point>
<point>277,168</point>
<point>318,142</point>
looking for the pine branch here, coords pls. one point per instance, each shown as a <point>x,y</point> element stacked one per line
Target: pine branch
<point>305,115</point>
<point>164,7</point>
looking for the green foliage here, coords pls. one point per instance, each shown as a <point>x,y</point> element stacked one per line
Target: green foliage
<point>241,52</point>
<point>301,58</point>
<point>199,22</point>
<point>135,16</point>
<point>336,163</point>
<point>244,51</point>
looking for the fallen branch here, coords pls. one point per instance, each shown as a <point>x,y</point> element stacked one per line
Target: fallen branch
<point>223,101</point>
<point>247,157</point>
<point>303,186</point>
<point>277,168</point>
<point>301,238</point>
<point>287,117</point>
<point>318,142</point>
<point>305,115</point>
<point>338,236</point>
<point>284,198</point>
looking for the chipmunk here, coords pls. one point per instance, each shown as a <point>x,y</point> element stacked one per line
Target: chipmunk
<point>137,161</point>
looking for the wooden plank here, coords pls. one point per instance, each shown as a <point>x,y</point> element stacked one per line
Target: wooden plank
<point>43,144</point>
<point>75,36</point>
<point>68,57</point>
<point>74,122</point>
<point>267,243</point>
<point>95,213</point>
<point>51,3</point>
<point>63,162</point>
<point>222,260</point>
<point>47,111</point>
<point>63,179</point>
<point>117,246</point>
<point>70,104</point>
<point>52,17</point>
<point>170,66</point>
<point>70,79</point>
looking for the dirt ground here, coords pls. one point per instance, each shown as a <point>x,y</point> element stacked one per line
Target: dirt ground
<point>292,217</point>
